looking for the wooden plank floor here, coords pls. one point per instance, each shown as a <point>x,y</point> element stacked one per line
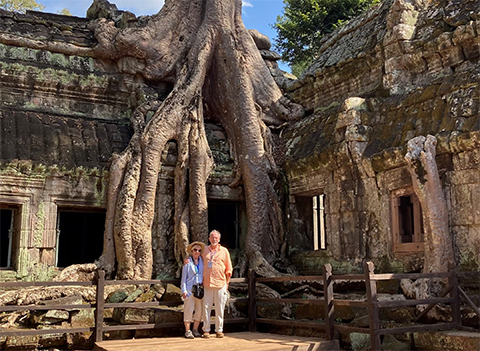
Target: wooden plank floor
<point>243,341</point>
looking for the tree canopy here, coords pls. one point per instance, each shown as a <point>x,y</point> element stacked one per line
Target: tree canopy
<point>305,22</point>
<point>20,5</point>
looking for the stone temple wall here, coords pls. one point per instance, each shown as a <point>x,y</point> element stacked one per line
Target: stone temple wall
<point>405,69</point>
<point>61,119</point>
<point>62,116</point>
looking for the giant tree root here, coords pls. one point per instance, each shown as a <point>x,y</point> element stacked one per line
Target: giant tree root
<point>204,50</point>
<point>439,257</point>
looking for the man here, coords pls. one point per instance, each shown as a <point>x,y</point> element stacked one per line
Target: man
<point>217,270</point>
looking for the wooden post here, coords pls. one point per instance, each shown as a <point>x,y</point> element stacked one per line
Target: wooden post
<point>455,305</point>
<point>328,297</point>
<point>374,319</point>
<point>252,307</point>
<point>99,308</point>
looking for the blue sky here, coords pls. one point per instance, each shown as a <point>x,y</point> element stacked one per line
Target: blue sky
<point>257,14</point>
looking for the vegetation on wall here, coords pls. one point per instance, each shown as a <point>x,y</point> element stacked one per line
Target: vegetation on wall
<point>305,22</point>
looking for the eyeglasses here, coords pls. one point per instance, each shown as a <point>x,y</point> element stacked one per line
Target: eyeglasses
<point>197,250</point>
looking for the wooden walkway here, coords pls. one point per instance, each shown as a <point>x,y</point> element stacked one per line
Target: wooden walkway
<point>243,341</point>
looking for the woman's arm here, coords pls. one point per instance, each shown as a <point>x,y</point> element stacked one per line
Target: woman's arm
<point>183,283</point>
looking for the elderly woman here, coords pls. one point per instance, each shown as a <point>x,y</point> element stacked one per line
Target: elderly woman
<point>192,274</point>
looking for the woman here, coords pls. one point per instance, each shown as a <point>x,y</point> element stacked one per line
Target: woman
<point>192,273</point>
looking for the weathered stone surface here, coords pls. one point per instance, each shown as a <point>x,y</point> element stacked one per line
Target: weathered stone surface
<point>132,315</point>
<point>52,340</point>
<point>391,343</point>
<point>448,340</point>
<point>261,40</point>
<point>164,314</point>
<point>360,341</point>
<point>145,297</point>
<point>172,293</point>
<point>49,317</point>
<point>271,310</point>
<point>270,55</point>
<point>118,296</point>
<point>133,296</point>
<point>68,300</point>
<point>420,83</point>
<point>63,116</point>
<point>83,319</point>
<point>404,314</point>
<point>22,342</point>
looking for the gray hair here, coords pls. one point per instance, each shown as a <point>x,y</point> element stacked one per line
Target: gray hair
<point>215,231</point>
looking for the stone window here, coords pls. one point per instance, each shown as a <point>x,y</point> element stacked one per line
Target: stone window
<point>8,234</point>
<point>79,235</point>
<point>224,216</point>
<point>407,221</point>
<point>308,221</point>
<point>319,237</point>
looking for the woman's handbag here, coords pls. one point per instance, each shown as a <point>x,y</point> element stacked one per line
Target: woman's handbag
<point>198,291</point>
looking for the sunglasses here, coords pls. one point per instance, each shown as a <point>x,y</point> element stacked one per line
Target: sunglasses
<point>197,250</point>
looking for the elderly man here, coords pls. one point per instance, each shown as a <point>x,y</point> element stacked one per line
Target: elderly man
<point>217,270</point>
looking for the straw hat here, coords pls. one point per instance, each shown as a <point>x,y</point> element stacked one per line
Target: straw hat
<point>195,243</point>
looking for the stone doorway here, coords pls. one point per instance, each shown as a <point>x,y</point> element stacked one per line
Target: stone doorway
<point>79,236</point>
<point>224,216</point>
<point>7,220</point>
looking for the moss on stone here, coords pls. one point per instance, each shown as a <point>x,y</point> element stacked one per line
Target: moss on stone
<point>38,231</point>
<point>470,261</point>
<point>39,272</point>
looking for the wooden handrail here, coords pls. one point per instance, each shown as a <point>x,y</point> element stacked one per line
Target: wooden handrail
<point>13,308</point>
<point>328,279</point>
<point>285,300</point>
<point>289,278</point>
<point>469,301</point>
<point>426,310</point>
<point>100,305</point>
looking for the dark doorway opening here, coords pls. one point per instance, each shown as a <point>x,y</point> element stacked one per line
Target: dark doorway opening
<point>406,219</point>
<point>80,236</point>
<point>6,237</point>
<point>224,216</point>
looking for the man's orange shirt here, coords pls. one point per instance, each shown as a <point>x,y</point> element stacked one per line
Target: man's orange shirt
<point>221,267</point>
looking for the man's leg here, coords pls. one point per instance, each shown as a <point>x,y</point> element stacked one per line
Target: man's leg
<point>208,302</point>
<point>220,302</point>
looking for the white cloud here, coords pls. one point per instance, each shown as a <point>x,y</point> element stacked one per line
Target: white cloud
<point>246,4</point>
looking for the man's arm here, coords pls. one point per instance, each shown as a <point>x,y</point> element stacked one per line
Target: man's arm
<point>228,267</point>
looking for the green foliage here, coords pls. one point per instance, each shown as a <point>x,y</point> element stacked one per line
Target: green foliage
<point>65,12</point>
<point>305,22</point>
<point>299,67</point>
<point>20,5</point>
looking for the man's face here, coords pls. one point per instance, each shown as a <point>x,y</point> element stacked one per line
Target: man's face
<point>214,238</point>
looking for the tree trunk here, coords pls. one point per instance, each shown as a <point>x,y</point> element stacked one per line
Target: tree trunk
<point>439,257</point>
<point>426,184</point>
<point>203,47</point>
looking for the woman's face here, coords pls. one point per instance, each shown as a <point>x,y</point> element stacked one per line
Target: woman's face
<point>196,251</point>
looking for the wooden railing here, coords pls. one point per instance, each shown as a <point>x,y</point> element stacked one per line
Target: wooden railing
<point>101,283</point>
<point>329,324</point>
<point>100,305</point>
<point>371,303</point>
